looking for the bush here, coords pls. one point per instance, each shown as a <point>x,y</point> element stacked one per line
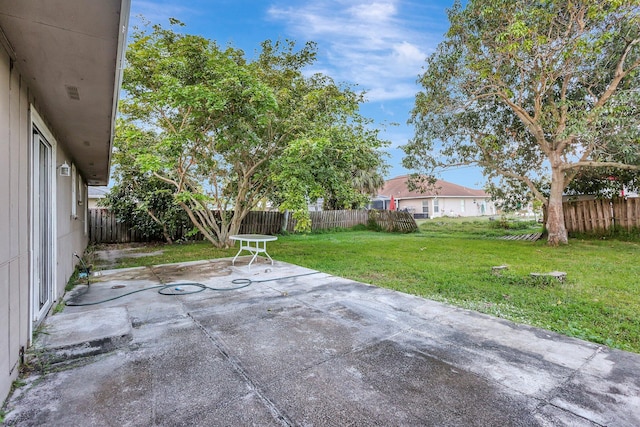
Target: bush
<point>503,223</point>
<point>506,224</point>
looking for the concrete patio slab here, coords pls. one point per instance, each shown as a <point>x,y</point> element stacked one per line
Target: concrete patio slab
<point>303,348</point>
<point>65,337</point>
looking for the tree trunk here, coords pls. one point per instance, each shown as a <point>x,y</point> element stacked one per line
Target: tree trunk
<point>166,235</point>
<point>205,232</point>
<point>555,214</point>
<point>165,231</point>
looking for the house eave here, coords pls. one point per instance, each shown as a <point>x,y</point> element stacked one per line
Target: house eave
<point>70,56</point>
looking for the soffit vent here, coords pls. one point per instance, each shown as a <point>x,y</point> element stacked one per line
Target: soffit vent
<point>72,93</point>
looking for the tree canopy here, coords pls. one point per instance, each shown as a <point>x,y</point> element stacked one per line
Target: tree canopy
<point>534,92</point>
<point>141,199</point>
<point>227,133</point>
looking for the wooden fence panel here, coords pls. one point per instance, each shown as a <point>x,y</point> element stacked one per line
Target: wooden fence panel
<point>262,222</point>
<point>105,228</point>
<point>636,212</point>
<point>570,220</point>
<point>394,221</point>
<point>325,220</point>
<point>618,213</point>
<point>589,216</point>
<point>627,213</point>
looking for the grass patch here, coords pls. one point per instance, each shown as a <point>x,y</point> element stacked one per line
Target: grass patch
<point>482,227</point>
<point>451,260</point>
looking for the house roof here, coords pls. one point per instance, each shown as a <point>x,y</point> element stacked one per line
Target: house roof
<point>70,54</point>
<point>97,192</point>
<point>398,188</point>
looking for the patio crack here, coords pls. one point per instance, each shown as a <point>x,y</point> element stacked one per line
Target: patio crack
<point>275,411</point>
<point>556,391</point>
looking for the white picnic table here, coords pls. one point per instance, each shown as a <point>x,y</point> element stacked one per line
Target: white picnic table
<point>254,243</point>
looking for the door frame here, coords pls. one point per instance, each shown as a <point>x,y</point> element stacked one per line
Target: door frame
<point>37,313</point>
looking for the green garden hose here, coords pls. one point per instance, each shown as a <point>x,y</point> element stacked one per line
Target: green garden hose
<point>178,288</point>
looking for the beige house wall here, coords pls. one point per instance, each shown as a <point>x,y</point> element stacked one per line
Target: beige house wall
<point>449,206</point>
<point>16,314</point>
<point>93,204</point>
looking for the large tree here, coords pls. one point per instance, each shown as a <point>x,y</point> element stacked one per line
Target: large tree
<point>139,198</point>
<point>220,128</point>
<point>533,92</point>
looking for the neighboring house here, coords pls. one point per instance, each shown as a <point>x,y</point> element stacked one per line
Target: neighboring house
<point>382,203</point>
<point>60,65</point>
<point>95,195</point>
<point>442,199</point>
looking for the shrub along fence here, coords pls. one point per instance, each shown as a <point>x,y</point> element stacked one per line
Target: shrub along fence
<point>104,228</point>
<point>593,216</point>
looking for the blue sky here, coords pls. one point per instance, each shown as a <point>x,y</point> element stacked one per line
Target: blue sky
<point>380,46</point>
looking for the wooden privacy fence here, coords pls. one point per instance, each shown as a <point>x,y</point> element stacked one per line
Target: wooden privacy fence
<point>588,216</point>
<point>262,222</point>
<point>326,220</point>
<point>104,228</point>
<point>394,221</point>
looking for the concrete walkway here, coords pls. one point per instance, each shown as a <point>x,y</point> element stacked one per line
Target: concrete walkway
<point>311,350</point>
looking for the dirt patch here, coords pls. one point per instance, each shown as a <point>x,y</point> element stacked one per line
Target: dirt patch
<point>192,272</point>
<point>126,274</point>
<point>106,258</point>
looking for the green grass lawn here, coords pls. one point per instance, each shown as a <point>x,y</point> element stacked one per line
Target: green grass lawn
<point>451,260</point>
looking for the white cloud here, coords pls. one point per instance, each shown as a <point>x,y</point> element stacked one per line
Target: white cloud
<point>408,54</point>
<point>379,45</point>
<point>373,12</point>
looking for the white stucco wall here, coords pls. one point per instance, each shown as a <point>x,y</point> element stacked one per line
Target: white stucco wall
<point>450,206</point>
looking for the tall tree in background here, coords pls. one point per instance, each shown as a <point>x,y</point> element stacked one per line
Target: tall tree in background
<point>533,92</point>
<point>139,198</point>
<point>220,129</point>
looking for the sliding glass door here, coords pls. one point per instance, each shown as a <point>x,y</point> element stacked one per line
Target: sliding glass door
<point>42,215</point>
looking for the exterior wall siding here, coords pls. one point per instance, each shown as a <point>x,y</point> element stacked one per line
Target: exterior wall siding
<point>449,206</point>
<point>15,182</point>
<point>70,228</point>
<point>9,292</point>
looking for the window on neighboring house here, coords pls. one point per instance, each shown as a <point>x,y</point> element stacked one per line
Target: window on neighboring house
<point>425,207</point>
<point>436,206</point>
<point>462,206</point>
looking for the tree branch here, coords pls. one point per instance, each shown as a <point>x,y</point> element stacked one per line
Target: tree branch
<point>592,164</point>
<point>537,194</point>
<point>165,179</point>
<point>620,74</point>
